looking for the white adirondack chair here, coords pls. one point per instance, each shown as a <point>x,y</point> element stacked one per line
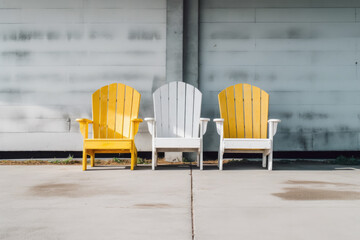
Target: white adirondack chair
<point>177,126</point>
<point>243,123</point>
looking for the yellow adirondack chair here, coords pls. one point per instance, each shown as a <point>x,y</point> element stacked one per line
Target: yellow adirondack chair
<point>115,110</point>
<point>243,126</point>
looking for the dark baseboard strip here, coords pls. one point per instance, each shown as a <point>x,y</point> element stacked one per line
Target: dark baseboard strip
<point>207,155</point>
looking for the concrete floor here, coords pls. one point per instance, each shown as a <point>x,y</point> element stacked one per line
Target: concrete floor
<point>295,201</point>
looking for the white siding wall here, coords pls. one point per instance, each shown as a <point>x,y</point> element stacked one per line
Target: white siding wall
<point>55,54</point>
<point>305,54</point>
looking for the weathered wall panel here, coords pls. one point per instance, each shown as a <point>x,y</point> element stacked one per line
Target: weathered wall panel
<point>304,53</point>
<point>55,54</point>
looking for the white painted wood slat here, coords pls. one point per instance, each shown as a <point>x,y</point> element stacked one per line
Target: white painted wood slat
<point>189,111</point>
<point>197,112</point>
<point>177,142</point>
<point>164,95</point>
<point>173,109</point>
<point>181,109</point>
<point>157,112</point>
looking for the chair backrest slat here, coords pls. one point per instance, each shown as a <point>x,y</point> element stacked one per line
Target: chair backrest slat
<point>197,112</point>
<point>189,110</point>
<point>244,109</point>
<point>256,112</point>
<point>177,107</point>
<point>264,113</point>
<point>113,108</point>
<point>172,110</point>
<point>120,105</point>
<point>112,111</point>
<point>180,124</point>
<point>96,113</point>
<point>231,111</point>
<point>157,112</point>
<point>224,111</point>
<point>103,111</point>
<point>127,111</point>
<point>239,106</point>
<point>248,111</point>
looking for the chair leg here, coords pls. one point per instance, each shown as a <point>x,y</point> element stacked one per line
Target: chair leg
<point>153,159</point>
<point>201,161</point>
<point>92,159</point>
<point>270,161</point>
<point>136,156</point>
<point>198,159</point>
<point>221,155</point>
<point>219,159</point>
<point>84,162</point>
<point>133,160</point>
<point>264,160</point>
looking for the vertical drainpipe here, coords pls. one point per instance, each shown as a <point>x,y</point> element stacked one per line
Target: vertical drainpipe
<point>191,42</point>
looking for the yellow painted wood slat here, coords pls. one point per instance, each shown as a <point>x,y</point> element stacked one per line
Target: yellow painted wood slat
<point>239,107</point>
<point>135,106</point>
<point>224,112</point>
<point>264,113</point>
<point>96,113</point>
<point>111,111</point>
<point>127,111</point>
<point>248,111</point>
<point>256,112</point>
<point>231,111</point>
<point>120,110</point>
<point>107,144</point>
<point>103,110</point>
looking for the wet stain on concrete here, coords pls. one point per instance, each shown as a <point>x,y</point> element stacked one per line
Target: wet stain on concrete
<point>308,194</point>
<point>317,182</point>
<point>70,190</point>
<point>152,205</point>
<point>55,190</point>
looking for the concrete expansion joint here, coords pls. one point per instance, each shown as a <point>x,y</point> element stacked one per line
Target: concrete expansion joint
<point>192,204</point>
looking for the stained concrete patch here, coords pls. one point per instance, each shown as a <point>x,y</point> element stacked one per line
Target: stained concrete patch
<point>152,205</point>
<point>70,190</point>
<point>318,182</point>
<point>300,193</point>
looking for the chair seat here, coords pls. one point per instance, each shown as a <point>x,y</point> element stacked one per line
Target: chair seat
<point>247,143</point>
<point>104,144</point>
<point>177,143</point>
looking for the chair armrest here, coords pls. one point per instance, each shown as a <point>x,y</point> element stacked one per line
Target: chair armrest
<point>273,127</point>
<point>151,125</point>
<point>84,120</point>
<point>84,126</point>
<point>139,120</point>
<point>203,125</point>
<point>219,126</point>
<point>135,126</point>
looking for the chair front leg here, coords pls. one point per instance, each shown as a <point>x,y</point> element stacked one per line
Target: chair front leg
<point>92,159</point>
<point>153,159</point>
<point>84,162</point>
<point>264,160</point>
<point>133,160</point>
